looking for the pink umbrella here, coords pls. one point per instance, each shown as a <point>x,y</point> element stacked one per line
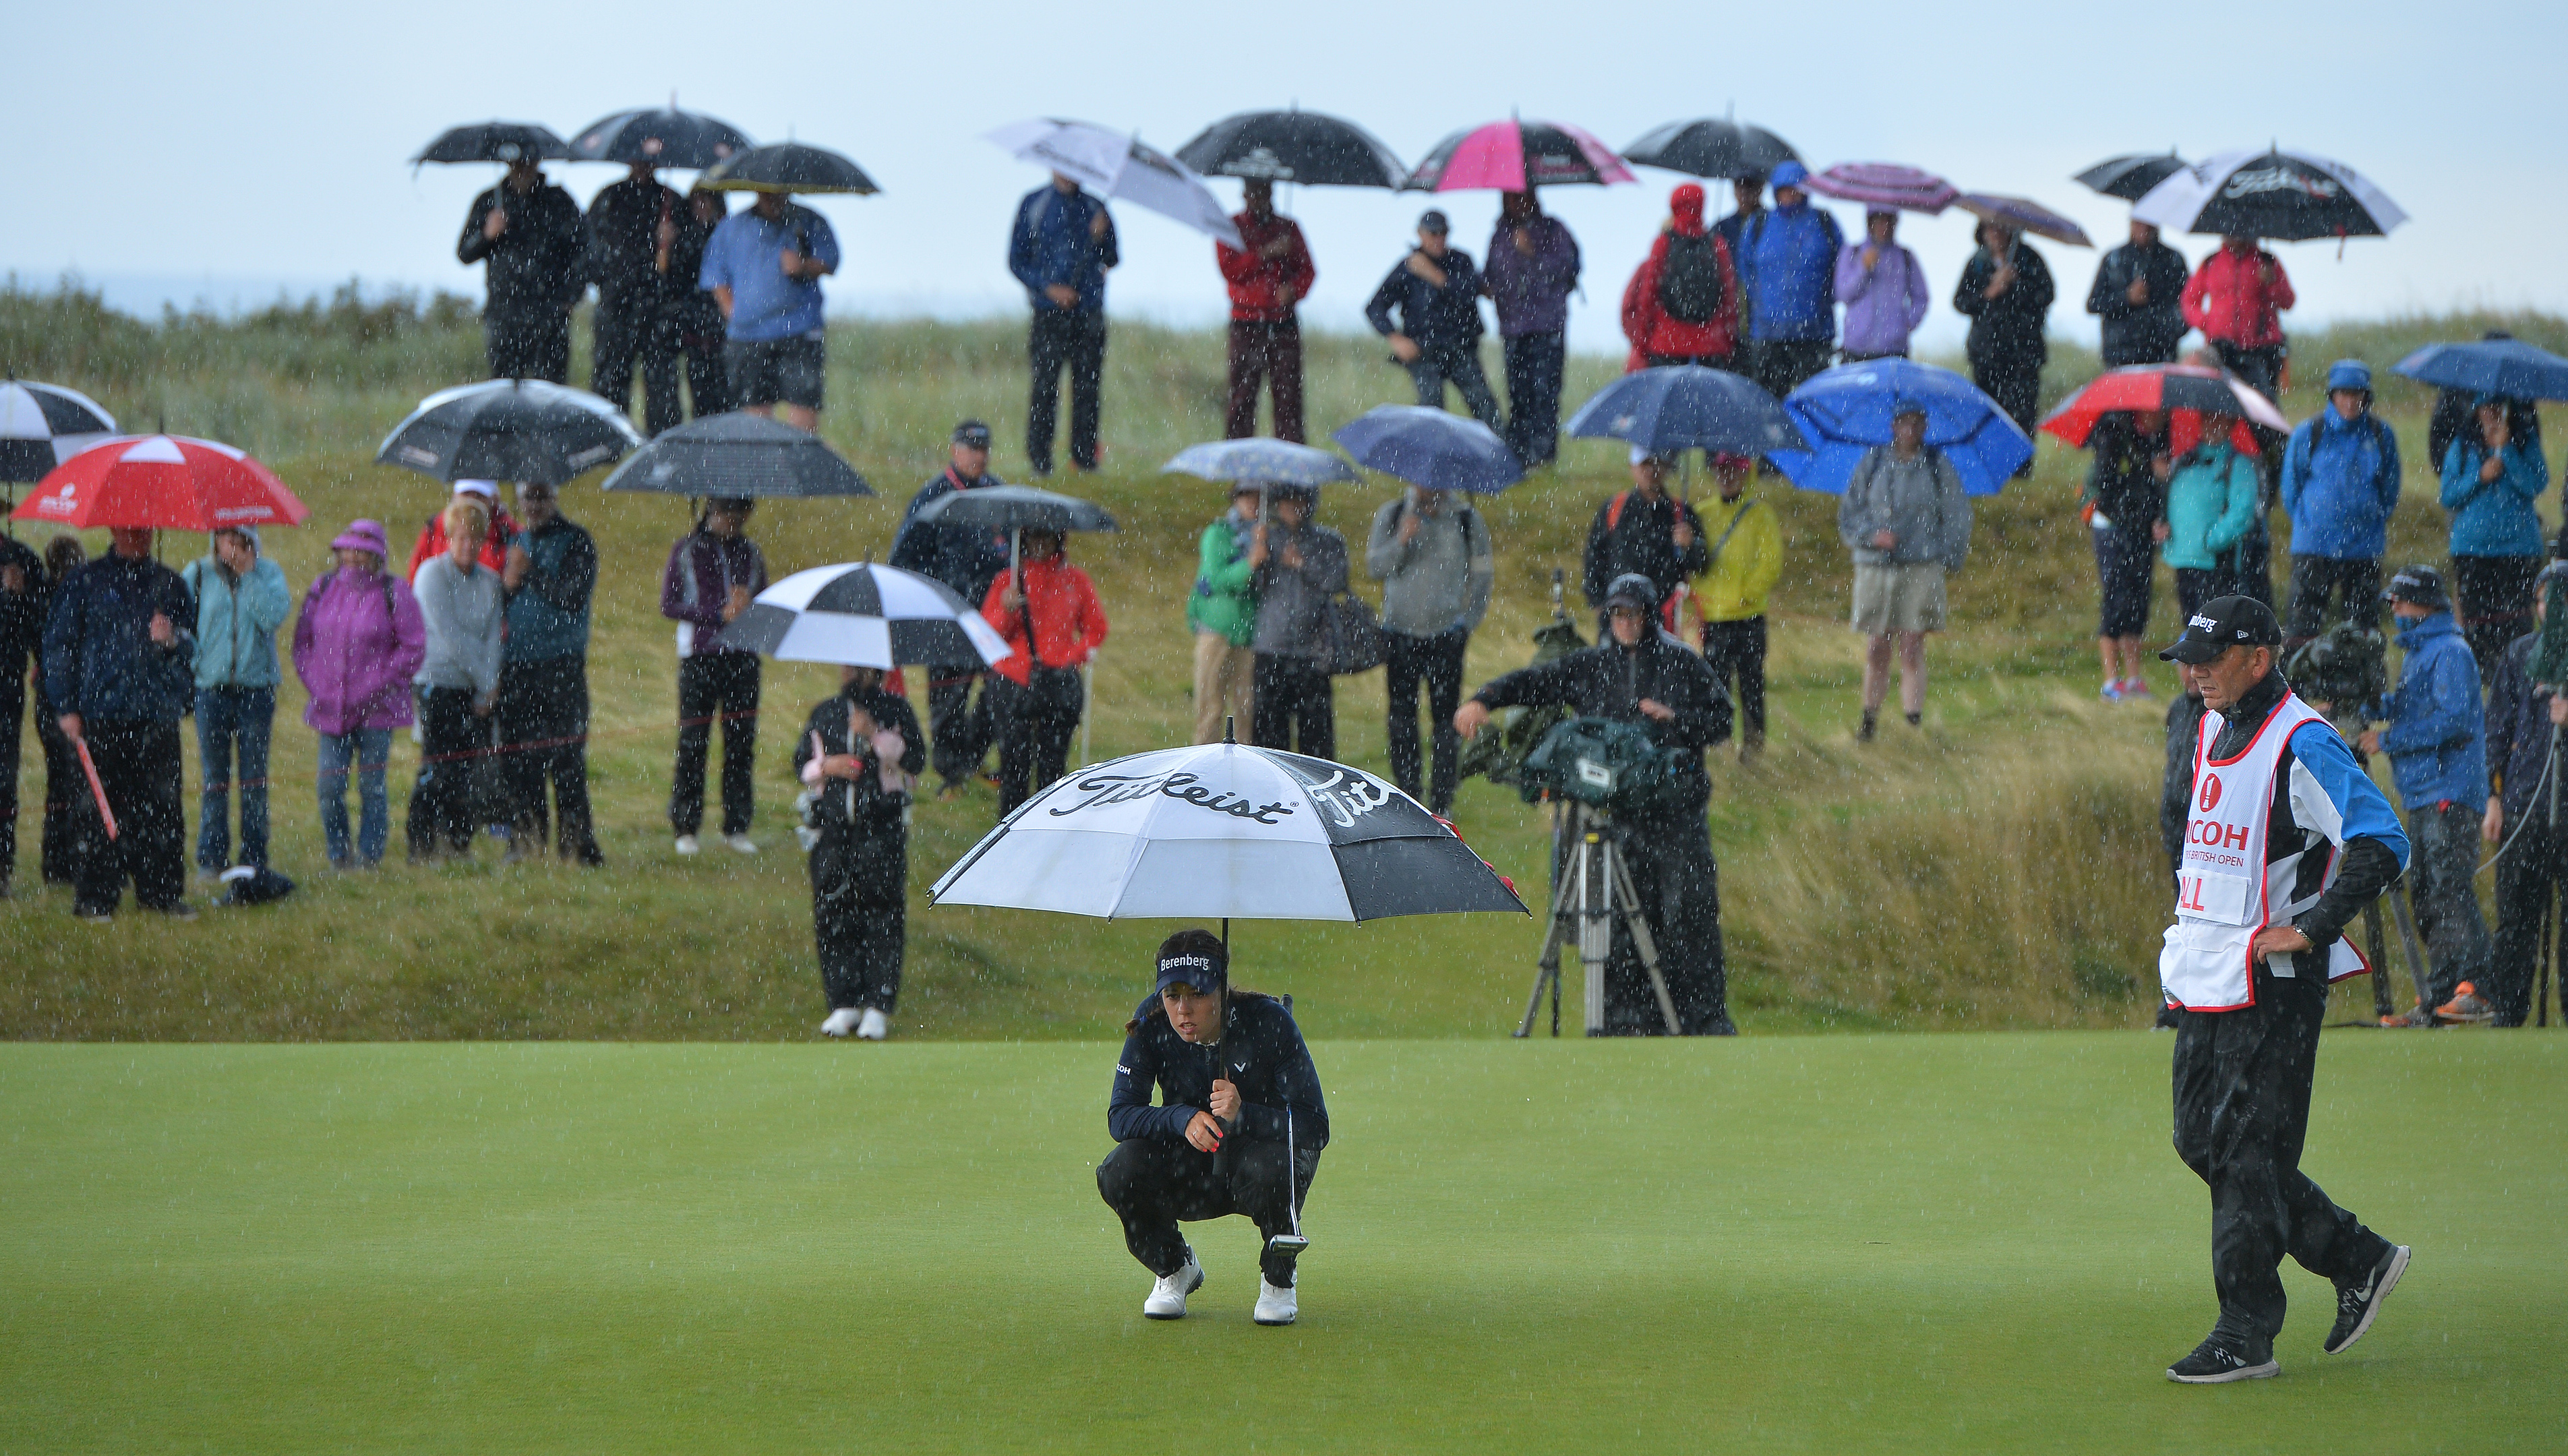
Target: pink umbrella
<point>1882,185</point>
<point>1513,155</point>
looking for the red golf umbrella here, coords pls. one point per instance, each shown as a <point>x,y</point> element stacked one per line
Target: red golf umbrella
<point>168,482</point>
<point>1513,155</point>
<point>2187,392</point>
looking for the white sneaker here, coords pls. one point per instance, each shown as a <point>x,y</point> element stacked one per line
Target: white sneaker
<point>874,1027</point>
<point>688,844</point>
<point>841,1022</point>
<point>742,843</point>
<point>1274,1305</point>
<point>1169,1297</point>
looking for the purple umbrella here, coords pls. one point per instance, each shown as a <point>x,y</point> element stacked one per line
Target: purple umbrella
<point>2024,215</point>
<point>1882,185</point>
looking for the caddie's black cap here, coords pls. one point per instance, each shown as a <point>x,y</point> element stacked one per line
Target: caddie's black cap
<point>2421,585</point>
<point>1193,958</point>
<point>2224,623</point>
<point>972,434</point>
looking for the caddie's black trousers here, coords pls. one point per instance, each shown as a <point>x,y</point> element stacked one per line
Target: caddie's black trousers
<point>2242,1109</point>
<point>1151,1184</point>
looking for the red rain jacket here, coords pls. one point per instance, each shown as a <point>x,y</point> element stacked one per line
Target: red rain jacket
<point>2227,301</point>
<point>1649,326</point>
<point>1256,281</point>
<point>1069,621</point>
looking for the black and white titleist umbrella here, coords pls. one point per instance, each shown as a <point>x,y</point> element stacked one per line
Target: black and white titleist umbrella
<point>865,616</point>
<point>2288,196</point>
<point>1225,830</point>
<point>42,425</point>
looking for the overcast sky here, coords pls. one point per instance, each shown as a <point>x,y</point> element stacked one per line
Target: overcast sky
<point>184,149</point>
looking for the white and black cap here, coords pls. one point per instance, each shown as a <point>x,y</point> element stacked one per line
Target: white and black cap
<point>2221,624</point>
<point>2419,585</point>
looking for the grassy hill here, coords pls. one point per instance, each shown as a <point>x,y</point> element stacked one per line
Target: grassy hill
<point>1999,869</point>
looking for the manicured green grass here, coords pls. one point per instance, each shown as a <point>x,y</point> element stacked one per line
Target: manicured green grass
<point>1847,1244</point>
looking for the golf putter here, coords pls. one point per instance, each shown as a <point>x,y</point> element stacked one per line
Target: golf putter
<point>1293,1243</point>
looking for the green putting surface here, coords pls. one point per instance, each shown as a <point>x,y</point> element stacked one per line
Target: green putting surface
<point>1965,1243</point>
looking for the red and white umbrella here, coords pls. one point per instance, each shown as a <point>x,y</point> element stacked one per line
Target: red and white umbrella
<point>168,482</point>
<point>1513,157</point>
<point>2187,392</point>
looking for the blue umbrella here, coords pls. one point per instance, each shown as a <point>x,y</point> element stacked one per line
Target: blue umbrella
<point>2506,367</point>
<point>1262,462</point>
<point>1847,410</point>
<point>1430,449</point>
<point>1688,406</point>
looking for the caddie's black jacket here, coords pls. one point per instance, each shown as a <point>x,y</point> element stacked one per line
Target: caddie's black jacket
<point>1610,680</point>
<point>1260,1052</point>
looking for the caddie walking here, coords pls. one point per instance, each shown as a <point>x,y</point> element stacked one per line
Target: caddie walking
<point>2285,841</point>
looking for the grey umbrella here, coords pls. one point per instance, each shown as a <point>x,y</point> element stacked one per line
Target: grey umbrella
<point>738,455</point>
<point>508,430</point>
<point>1262,462</point>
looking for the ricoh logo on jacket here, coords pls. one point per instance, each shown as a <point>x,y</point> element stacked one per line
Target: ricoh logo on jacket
<point>2210,793</point>
<point>2212,834</point>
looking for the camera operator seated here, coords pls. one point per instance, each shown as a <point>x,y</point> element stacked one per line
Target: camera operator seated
<point>1236,1086</point>
<point>1643,676</point>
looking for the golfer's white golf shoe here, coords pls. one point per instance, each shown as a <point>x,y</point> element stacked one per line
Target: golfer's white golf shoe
<point>1169,1297</point>
<point>840,1022</point>
<point>1274,1305</point>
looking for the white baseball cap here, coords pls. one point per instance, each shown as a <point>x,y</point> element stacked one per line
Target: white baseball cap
<point>487,489</point>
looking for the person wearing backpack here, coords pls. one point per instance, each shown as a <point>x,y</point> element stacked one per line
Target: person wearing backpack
<point>2339,488</point>
<point>1740,569</point>
<point>1430,551</point>
<point>241,599</point>
<point>357,644</point>
<point>1645,530</point>
<point>1907,524</point>
<point>1883,290</point>
<point>1788,260</point>
<point>1681,305</point>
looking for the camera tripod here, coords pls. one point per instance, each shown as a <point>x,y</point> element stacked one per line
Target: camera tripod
<point>1594,887</point>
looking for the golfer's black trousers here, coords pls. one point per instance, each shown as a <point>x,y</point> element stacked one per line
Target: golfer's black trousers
<point>2242,1108</point>
<point>138,767</point>
<point>1151,1184</point>
<point>859,918</point>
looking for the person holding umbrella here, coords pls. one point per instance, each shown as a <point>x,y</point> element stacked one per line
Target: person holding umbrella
<point>1532,268</point>
<point>1237,1129</point>
<point>967,557</point>
<point>1048,611</point>
<point>1643,676</point>
<point>856,757</point>
<point>2006,293</point>
<point>2139,294</point>
<point>1297,567</point>
<point>119,660</point>
<point>1268,278</point>
<point>2126,495</point>
<point>2236,298</point>
<point>2492,477</point>
<point>1681,305</point>
<point>1908,525</point>
<point>2211,496</point>
<point>463,612</point>
<point>763,269</point>
<point>713,572</point>
<point>1436,290</point>
<point>1061,247</point>
<point>633,231</point>
<point>1883,288</point>
<point>1431,553</point>
<point>1645,530</point>
<point>688,315</point>
<point>549,578</point>
<point>241,599</point>
<point>1222,613</point>
<point>529,234</point>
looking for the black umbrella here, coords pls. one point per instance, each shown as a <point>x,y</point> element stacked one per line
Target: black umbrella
<point>495,142</point>
<point>660,136</point>
<point>1310,147</point>
<point>2288,196</point>
<point>1018,509</point>
<point>1712,147</point>
<point>508,430</point>
<point>738,456</point>
<point>2131,176</point>
<point>42,425</point>
<point>788,166</point>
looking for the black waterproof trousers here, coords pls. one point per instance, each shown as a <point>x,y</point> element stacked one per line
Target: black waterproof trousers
<point>543,739</point>
<point>534,347</point>
<point>64,839</point>
<point>1035,725</point>
<point>1153,1185</point>
<point>138,767</point>
<point>1071,339</point>
<point>616,335</point>
<point>2352,582</point>
<point>859,912</point>
<point>13,712</point>
<point>2531,881</point>
<point>453,746</point>
<point>2242,1109</point>
<point>1736,653</point>
<point>1679,885</point>
<point>2494,597</point>
<point>1292,705</point>
<point>716,686</point>
<point>958,722</point>
<point>1437,662</point>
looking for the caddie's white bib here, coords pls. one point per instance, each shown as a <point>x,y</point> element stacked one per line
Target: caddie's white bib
<point>2225,890</point>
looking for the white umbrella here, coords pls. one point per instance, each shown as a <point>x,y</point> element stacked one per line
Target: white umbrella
<point>1229,830</point>
<point>43,426</point>
<point>2269,192</point>
<point>865,616</point>
<point>1112,165</point>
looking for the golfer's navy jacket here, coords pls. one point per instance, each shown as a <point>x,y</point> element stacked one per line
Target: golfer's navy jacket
<point>1260,1050</point>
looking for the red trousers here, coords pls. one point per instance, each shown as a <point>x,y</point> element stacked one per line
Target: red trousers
<point>1271,352</point>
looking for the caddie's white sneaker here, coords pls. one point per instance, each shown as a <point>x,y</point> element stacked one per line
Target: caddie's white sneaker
<point>1274,1305</point>
<point>688,844</point>
<point>742,843</point>
<point>841,1022</point>
<point>874,1027</point>
<point>1169,1297</point>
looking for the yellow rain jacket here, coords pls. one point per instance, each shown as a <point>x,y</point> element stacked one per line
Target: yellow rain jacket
<point>1744,567</point>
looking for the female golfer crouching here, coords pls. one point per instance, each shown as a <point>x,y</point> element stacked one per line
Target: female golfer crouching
<point>1236,1090</point>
